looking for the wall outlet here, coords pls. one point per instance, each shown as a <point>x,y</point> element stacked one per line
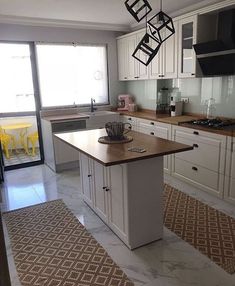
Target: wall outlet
<point>185,99</point>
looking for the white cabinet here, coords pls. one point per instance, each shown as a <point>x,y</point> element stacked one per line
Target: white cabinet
<point>128,67</point>
<point>126,197</point>
<point>60,156</point>
<point>104,190</point>
<point>157,129</point>
<point>164,64</point>
<point>203,166</point>
<point>130,119</point>
<point>230,171</point>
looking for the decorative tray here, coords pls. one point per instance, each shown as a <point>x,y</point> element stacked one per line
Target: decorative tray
<point>107,140</point>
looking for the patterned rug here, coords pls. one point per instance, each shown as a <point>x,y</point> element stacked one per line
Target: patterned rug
<point>205,228</point>
<point>52,248</point>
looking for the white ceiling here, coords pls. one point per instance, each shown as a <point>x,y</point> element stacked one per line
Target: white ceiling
<point>102,14</point>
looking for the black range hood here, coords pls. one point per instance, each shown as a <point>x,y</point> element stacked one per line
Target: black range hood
<point>218,57</point>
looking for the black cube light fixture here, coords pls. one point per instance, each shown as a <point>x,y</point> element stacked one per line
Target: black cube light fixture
<point>147,49</point>
<point>138,8</point>
<point>161,26</point>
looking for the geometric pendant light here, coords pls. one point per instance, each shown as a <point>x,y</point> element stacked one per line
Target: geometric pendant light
<point>161,25</point>
<point>147,49</point>
<point>138,8</point>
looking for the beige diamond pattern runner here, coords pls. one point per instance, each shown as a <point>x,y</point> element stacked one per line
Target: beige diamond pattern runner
<point>205,228</point>
<point>52,248</point>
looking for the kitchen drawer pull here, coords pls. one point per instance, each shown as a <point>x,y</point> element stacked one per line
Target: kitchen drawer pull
<point>129,118</point>
<point>106,189</point>
<point>194,168</point>
<point>195,132</point>
<point>192,73</point>
<point>88,176</point>
<point>152,133</point>
<point>129,127</point>
<point>152,123</point>
<point>195,145</point>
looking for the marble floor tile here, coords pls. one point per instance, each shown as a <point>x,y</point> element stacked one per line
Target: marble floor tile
<point>168,262</point>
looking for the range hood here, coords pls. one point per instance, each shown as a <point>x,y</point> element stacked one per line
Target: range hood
<point>218,57</point>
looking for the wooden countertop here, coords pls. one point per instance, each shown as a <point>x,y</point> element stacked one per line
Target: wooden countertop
<point>114,154</point>
<point>66,117</point>
<point>180,120</point>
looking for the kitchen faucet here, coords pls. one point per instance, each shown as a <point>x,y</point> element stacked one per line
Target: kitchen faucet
<point>92,105</point>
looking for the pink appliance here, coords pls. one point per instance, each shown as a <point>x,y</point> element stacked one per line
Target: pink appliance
<point>123,101</point>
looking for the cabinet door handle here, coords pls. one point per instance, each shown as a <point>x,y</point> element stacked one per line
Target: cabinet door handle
<point>106,189</point>
<point>136,76</point>
<point>89,176</point>
<point>129,118</point>
<point>152,123</point>
<point>129,127</point>
<point>194,168</point>
<point>192,73</point>
<point>152,133</point>
<point>195,132</point>
<point>195,145</point>
<point>125,77</point>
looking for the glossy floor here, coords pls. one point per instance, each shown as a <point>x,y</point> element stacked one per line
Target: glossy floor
<point>169,262</point>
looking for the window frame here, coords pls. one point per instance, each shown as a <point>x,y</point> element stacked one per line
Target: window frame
<point>45,108</point>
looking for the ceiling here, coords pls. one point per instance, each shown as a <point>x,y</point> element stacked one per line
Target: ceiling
<point>100,14</point>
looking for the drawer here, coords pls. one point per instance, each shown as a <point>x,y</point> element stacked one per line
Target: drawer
<point>131,120</point>
<point>200,136</point>
<point>205,155</point>
<point>200,177</point>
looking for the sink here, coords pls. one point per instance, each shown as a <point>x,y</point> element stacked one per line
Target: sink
<point>100,113</point>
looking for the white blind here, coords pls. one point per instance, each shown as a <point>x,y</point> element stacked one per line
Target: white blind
<point>72,74</point>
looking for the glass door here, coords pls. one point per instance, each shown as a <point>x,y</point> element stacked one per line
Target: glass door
<point>19,117</point>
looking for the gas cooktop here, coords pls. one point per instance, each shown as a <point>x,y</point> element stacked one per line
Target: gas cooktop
<point>213,123</point>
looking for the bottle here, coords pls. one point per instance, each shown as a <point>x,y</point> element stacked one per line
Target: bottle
<point>210,108</point>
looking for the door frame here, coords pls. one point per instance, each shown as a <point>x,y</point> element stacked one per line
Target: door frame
<point>37,105</point>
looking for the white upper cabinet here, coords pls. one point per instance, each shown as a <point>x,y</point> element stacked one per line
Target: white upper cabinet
<point>128,67</point>
<point>164,64</point>
<point>187,38</point>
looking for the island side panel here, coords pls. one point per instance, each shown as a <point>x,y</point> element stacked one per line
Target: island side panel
<point>145,201</point>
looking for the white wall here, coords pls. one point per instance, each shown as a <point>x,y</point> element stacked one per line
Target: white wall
<point>10,32</point>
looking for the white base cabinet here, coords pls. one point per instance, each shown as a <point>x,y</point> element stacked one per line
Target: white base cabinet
<point>204,166</point>
<point>158,129</point>
<point>127,197</point>
<point>229,194</point>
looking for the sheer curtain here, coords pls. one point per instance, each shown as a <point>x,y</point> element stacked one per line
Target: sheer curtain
<point>71,74</point>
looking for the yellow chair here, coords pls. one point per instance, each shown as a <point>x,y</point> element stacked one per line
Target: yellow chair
<point>7,140</point>
<point>32,138</point>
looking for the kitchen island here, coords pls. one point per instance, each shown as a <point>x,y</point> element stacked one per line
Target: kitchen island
<point>124,188</point>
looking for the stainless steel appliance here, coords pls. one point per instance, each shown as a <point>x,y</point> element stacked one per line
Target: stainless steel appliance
<point>213,123</point>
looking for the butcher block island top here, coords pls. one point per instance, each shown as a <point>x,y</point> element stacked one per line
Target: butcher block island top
<point>113,154</point>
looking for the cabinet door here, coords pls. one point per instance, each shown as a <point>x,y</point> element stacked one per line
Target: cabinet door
<point>155,66</point>
<point>132,72</point>
<point>187,38</point>
<point>142,70</point>
<point>170,55</point>
<point>100,190</point>
<point>117,200</point>
<point>86,178</point>
<point>122,59</point>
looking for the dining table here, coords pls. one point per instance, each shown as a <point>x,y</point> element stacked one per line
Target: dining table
<point>22,129</point>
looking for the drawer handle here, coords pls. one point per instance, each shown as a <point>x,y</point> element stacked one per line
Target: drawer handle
<point>106,189</point>
<point>152,123</point>
<point>195,132</point>
<point>129,118</point>
<point>88,176</point>
<point>152,133</point>
<point>192,73</point>
<point>129,127</point>
<point>194,168</point>
<point>195,145</point>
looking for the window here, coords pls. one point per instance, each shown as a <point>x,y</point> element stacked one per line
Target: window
<point>71,75</point>
<point>16,88</point>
